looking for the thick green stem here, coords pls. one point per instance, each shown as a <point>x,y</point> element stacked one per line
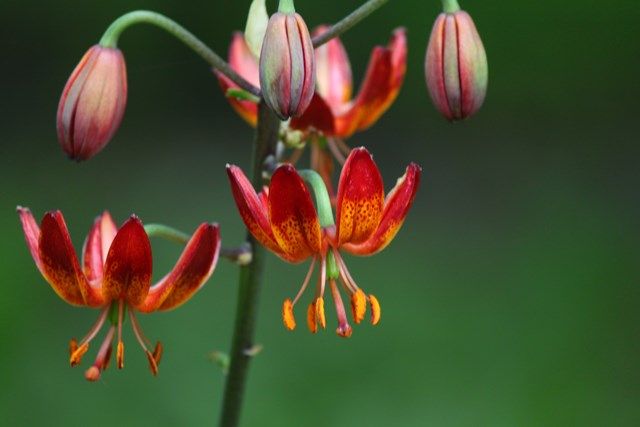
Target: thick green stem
<point>112,35</point>
<point>323,201</point>
<point>286,6</point>
<point>250,283</point>
<point>348,22</point>
<point>450,6</point>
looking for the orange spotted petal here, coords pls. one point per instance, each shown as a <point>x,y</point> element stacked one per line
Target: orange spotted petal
<point>333,71</point>
<point>380,87</point>
<point>396,207</point>
<point>293,216</point>
<point>252,209</point>
<point>360,198</point>
<point>53,252</point>
<point>244,63</point>
<point>97,244</point>
<point>194,267</point>
<point>127,270</point>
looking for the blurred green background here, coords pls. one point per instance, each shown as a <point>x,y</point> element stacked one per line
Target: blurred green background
<point>510,298</point>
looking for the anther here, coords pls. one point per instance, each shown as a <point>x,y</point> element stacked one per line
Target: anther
<point>153,365</point>
<point>319,305</point>
<point>312,322</point>
<point>287,315</point>
<point>78,352</point>
<point>375,309</point>
<point>120,355</point>
<point>157,352</point>
<point>358,305</point>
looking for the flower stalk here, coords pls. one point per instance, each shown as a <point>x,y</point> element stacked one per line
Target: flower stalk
<point>348,21</point>
<point>112,35</point>
<point>250,282</point>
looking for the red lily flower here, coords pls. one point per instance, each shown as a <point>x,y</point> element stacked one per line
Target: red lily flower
<point>332,111</point>
<point>115,276</point>
<point>283,218</point>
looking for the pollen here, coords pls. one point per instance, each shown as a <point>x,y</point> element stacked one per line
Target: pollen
<point>312,322</point>
<point>77,352</point>
<point>320,312</point>
<point>358,305</point>
<point>120,355</point>
<point>287,315</point>
<point>375,309</point>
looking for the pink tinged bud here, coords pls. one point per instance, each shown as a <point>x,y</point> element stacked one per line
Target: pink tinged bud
<point>92,102</point>
<point>456,66</point>
<point>287,65</point>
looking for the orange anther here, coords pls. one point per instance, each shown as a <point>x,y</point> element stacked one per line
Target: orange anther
<point>120,355</point>
<point>320,312</point>
<point>157,352</point>
<point>76,356</point>
<point>358,305</point>
<point>375,309</point>
<point>287,315</point>
<point>312,321</point>
<point>153,365</point>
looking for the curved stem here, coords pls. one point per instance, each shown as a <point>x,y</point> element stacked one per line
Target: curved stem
<point>241,255</point>
<point>323,201</point>
<point>111,36</point>
<point>250,282</point>
<point>348,22</point>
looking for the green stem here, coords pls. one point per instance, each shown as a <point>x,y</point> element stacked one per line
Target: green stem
<point>450,6</point>
<point>348,22</point>
<point>323,201</point>
<point>286,6</point>
<point>240,255</point>
<point>250,282</point>
<point>111,36</point>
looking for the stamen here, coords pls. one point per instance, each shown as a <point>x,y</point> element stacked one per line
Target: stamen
<point>346,150</point>
<point>77,351</point>
<point>312,322</point>
<point>340,157</point>
<point>358,305</point>
<point>319,305</point>
<point>153,358</point>
<point>344,329</point>
<point>375,309</point>
<point>344,273</point>
<point>287,315</point>
<point>102,358</point>
<point>120,347</point>
<point>306,282</point>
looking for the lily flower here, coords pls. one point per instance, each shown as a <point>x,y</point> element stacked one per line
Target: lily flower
<point>333,114</point>
<point>284,219</point>
<point>114,277</point>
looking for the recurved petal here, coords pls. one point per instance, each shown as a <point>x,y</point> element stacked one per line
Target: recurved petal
<point>293,216</point>
<point>59,263</point>
<point>193,269</point>
<point>31,233</point>
<point>360,198</point>
<point>127,270</point>
<point>243,62</point>
<point>97,244</point>
<point>380,87</point>
<point>333,71</point>
<point>252,210</point>
<point>396,206</point>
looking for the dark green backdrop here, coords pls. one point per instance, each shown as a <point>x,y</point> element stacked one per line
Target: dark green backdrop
<point>509,298</point>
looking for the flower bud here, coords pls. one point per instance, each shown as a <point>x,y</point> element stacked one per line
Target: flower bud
<point>92,102</point>
<point>287,65</point>
<point>456,66</point>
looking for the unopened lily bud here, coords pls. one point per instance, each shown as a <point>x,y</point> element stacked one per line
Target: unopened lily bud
<point>456,65</point>
<point>92,102</point>
<point>287,63</point>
